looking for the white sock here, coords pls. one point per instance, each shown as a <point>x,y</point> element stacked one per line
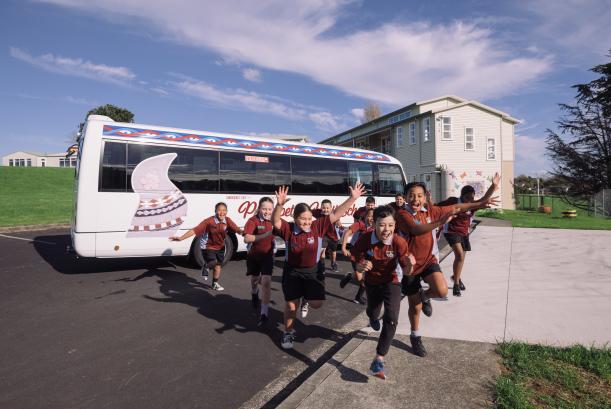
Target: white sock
<point>415,333</point>
<point>264,309</point>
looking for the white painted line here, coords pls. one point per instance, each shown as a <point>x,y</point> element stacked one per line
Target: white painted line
<point>30,240</point>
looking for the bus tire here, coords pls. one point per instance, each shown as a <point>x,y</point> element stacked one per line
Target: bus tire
<point>197,254</point>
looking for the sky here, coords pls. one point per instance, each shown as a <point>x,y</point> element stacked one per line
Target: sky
<point>294,68</point>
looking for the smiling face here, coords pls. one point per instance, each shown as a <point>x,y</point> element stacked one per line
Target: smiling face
<point>416,197</point>
<point>304,220</point>
<point>385,227</point>
<point>468,197</point>
<point>266,209</point>
<point>399,201</point>
<point>326,208</point>
<point>221,211</point>
<point>369,218</point>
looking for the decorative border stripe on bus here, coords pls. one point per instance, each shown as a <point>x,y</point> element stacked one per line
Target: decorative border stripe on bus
<point>125,132</point>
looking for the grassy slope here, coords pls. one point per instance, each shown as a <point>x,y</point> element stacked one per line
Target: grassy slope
<point>525,218</point>
<point>35,195</point>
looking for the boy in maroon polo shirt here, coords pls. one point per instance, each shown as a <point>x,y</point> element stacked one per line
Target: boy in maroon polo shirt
<point>351,235</point>
<point>213,231</point>
<point>418,223</point>
<point>370,203</point>
<point>384,258</point>
<point>456,232</point>
<point>399,202</point>
<point>260,261</point>
<point>301,277</point>
<point>331,238</point>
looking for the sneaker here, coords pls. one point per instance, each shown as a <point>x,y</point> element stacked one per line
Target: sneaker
<point>360,300</point>
<point>205,272</point>
<point>456,290</point>
<point>305,308</point>
<point>377,369</point>
<point>334,268</point>
<point>262,321</point>
<point>460,283</point>
<point>254,301</point>
<point>287,340</point>
<point>345,280</point>
<point>417,345</point>
<point>427,308</point>
<point>374,324</point>
<point>217,287</point>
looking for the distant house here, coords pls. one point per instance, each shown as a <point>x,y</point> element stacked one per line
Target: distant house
<point>35,159</point>
<point>446,142</point>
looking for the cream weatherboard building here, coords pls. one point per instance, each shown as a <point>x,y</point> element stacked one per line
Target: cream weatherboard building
<point>34,159</point>
<point>446,142</point>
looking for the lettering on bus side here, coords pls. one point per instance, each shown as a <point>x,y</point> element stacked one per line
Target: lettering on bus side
<point>249,207</point>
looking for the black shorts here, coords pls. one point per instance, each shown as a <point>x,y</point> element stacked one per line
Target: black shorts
<point>296,285</point>
<point>452,239</point>
<point>263,266</point>
<point>410,285</point>
<point>214,257</point>
<point>329,244</point>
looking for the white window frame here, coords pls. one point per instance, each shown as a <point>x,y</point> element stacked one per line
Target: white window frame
<point>22,162</point>
<point>443,128</point>
<point>28,162</point>
<point>412,133</point>
<point>10,162</point>
<point>399,134</point>
<point>426,129</point>
<point>472,141</point>
<point>490,145</point>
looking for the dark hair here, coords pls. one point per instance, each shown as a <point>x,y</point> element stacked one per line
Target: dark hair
<point>265,199</point>
<point>370,199</point>
<point>216,206</point>
<point>381,212</point>
<point>325,201</point>
<point>412,185</point>
<point>466,190</point>
<point>399,194</point>
<point>369,210</point>
<point>300,208</point>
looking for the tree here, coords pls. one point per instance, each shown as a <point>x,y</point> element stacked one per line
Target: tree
<point>111,111</point>
<point>371,112</point>
<point>581,150</point>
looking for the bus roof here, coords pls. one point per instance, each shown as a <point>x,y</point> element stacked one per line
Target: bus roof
<point>188,137</point>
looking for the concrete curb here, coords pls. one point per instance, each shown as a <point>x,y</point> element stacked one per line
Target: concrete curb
<point>35,227</point>
<point>318,377</point>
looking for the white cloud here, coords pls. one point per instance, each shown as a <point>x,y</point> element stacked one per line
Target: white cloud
<point>393,63</point>
<point>358,113</point>
<point>530,155</point>
<point>251,74</point>
<point>159,91</point>
<point>76,67</point>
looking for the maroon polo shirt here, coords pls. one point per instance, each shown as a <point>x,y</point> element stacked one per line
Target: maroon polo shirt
<point>360,213</point>
<point>304,247</point>
<point>390,260</point>
<point>460,224</point>
<point>265,247</point>
<point>214,231</point>
<point>331,232</point>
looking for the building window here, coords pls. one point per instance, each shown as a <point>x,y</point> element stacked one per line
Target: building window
<point>412,133</point>
<point>469,139</point>
<point>447,128</point>
<point>399,136</point>
<point>21,162</point>
<point>29,162</point>
<point>73,162</point>
<point>426,129</point>
<point>43,163</point>
<point>10,162</point>
<point>491,151</point>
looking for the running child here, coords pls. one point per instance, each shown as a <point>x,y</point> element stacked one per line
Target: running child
<point>351,235</point>
<point>456,232</point>
<point>258,234</point>
<point>213,231</point>
<point>331,238</point>
<point>418,223</point>
<point>370,203</point>
<point>302,277</point>
<point>383,257</point>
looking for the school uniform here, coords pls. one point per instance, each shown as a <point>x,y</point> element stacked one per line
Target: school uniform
<point>383,281</point>
<point>424,246</point>
<point>360,213</point>
<point>213,232</point>
<point>457,231</point>
<point>331,238</point>
<point>358,228</point>
<point>260,259</point>
<point>302,276</point>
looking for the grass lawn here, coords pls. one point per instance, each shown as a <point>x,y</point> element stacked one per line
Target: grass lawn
<point>35,195</point>
<point>526,218</point>
<point>536,376</point>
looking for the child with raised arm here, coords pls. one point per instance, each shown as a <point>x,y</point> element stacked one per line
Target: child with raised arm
<point>384,258</point>
<point>213,231</point>
<point>418,223</point>
<point>301,277</point>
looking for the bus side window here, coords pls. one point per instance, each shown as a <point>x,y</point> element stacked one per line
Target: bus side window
<point>249,173</point>
<point>361,172</point>
<point>316,176</point>
<point>390,180</point>
<point>112,172</point>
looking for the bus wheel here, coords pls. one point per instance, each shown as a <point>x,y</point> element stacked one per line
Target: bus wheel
<point>197,254</point>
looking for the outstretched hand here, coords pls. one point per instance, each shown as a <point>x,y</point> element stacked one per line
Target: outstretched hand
<point>281,195</point>
<point>357,191</point>
<point>496,180</point>
<point>491,202</point>
<point>446,218</point>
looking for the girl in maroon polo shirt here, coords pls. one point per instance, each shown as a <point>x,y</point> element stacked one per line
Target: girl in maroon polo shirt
<point>302,277</point>
<point>384,258</point>
<point>260,261</point>
<point>351,235</point>
<point>213,231</point>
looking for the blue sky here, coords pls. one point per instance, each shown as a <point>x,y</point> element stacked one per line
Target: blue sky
<point>299,67</point>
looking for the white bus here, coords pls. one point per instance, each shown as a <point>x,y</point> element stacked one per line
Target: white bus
<point>137,185</point>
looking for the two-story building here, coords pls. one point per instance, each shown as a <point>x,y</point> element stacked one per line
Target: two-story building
<point>446,142</point>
